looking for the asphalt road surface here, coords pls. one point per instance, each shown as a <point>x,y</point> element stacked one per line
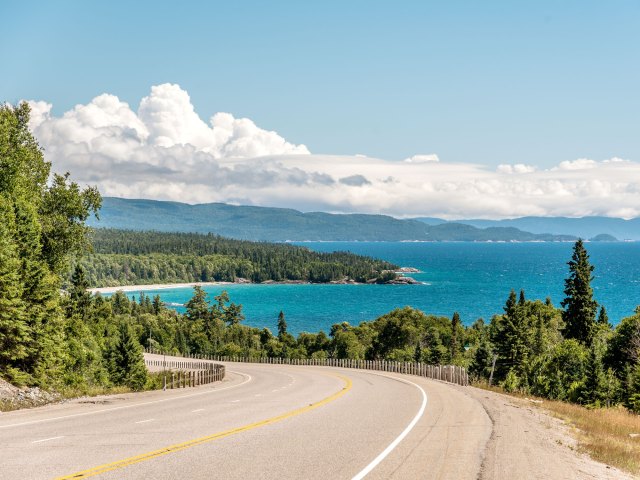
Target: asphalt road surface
<point>277,422</point>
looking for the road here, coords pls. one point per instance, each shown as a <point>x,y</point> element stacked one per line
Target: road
<point>267,421</point>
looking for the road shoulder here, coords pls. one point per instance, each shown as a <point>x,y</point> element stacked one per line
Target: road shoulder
<point>528,443</point>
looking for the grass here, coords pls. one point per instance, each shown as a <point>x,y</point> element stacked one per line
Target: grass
<point>602,433</point>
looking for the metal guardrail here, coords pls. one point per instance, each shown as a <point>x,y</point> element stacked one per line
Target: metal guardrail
<point>446,373</point>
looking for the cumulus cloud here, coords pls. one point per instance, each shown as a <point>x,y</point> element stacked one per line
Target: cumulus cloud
<point>517,168</point>
<point>164,150</point>
<point>579,164</point>
<point>432,157</point>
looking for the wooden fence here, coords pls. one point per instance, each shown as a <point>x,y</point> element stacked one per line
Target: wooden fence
<point>187,373</point>
<point>445,373</point>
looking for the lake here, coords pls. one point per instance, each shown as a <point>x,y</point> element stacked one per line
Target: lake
<point>473,279</point>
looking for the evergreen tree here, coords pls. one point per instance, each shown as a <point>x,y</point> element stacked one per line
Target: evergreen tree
<point>158,306</point>
<point>509,335</point>
<point>79,298</point>
<point>14,332</point>
<point>455,325</point>
<point>417,356</point>
<point>282,326</point>
<point>40,295</point>
<point>603,318</point>
<point>579,306</point>
<point>233,314</point>
<point>482,359</point>
<point>198,306</point>
<point>522,300</point>
<point>126,361</point>
<point>594,386</point>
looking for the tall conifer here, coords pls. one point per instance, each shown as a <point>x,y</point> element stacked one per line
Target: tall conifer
<point>579,306</point>
<point>455,324</point>
<point>282,325</point>
<point>14,331</point>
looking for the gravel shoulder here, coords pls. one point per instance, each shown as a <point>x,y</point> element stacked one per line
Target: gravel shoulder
<point>528,443</point>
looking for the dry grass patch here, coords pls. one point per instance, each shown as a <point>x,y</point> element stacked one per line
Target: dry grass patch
<point>606,434</point>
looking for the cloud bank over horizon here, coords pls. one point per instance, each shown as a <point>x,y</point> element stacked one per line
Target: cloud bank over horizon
<point>165,151</point>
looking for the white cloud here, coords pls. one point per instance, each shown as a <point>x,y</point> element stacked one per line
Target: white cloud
<point>517,168</point>
<point>579,164</point>
<point>166,151</point>
<point>431,157</point>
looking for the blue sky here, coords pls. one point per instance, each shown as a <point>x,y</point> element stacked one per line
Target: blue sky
<point>482,82</point>
<point>453,109</point>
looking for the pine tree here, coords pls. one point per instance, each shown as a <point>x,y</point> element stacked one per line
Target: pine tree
<point>126,361</point>
<point>510,338</point>
<point>198,306</point>
<point>594,392</point>
<point>482,359</point>
<point>603,318</point>
<point>79,298</point>
<point>453,347</point>
<point>41,299</point>
<point>522,300</point>
<point>233,314</point>
<point>579,306</point>
<point>282,325</point>
<point>158,306</point>
<point>417,355</point>
<point>14,331</point>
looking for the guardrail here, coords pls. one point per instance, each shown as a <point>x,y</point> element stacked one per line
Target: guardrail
<point>445,373</point>
<point>186,372</point>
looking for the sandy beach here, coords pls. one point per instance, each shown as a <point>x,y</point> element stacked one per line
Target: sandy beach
<point>155,286</point>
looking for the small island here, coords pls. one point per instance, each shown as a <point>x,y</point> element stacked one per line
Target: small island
<point>604,237</point>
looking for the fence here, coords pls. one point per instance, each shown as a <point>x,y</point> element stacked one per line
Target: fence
<point>445,373</point>
<point>187,373</point>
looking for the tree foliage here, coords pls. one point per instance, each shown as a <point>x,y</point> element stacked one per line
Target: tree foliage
<point>127,257</point>
<point>580,308</point>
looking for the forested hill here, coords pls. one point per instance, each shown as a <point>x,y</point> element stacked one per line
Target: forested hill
<point>124,257</point>
<point>280,224</point>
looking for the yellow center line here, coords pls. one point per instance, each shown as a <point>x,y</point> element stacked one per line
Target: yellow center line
<point>107,467</point>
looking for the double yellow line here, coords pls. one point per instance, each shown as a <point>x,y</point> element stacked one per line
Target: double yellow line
<point>107,467</point>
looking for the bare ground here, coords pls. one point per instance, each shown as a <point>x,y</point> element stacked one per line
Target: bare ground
<point>527,443</point>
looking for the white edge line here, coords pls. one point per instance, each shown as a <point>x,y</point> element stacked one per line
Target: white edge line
<point>197,410</point>
<point>32,422</point>
<point>47,439</point>
<point>146,421</point>
<point>376,461</point>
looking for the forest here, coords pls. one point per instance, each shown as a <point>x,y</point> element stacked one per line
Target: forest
<point>125,257</point>
<point>59,338</point>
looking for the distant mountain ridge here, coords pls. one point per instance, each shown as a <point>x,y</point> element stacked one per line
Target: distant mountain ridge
<point>584,227</point>
<point>282,224</point>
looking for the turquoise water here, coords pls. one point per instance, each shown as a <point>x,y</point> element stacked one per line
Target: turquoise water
<point>471,278</point>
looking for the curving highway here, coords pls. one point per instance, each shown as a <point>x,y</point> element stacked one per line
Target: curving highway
<point>262,421</point>
<point>289,422</point>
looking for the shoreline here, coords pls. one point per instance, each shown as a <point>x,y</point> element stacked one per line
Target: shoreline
<point>154,286</point>
<point>400,280</point>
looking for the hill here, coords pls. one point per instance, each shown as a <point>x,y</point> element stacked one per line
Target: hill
<point>281,224</point>
<point>584,227</point>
